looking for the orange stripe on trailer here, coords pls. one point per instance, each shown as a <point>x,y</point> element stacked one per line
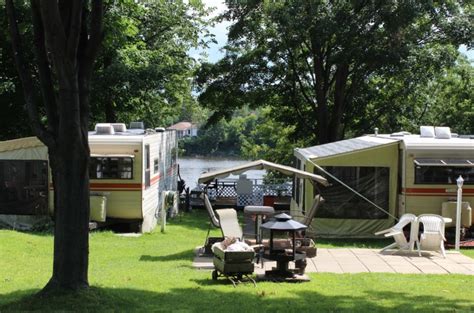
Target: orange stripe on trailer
<point>116,189</point>
<point>110,186</point>
<point>155,179</point>
<point>116,185</point>
<point>436,191</point>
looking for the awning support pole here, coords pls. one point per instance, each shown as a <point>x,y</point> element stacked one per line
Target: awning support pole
<point>459,182</point>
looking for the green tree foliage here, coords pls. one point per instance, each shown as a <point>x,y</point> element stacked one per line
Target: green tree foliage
<point>452,99</point>
<point>249,134</point>
<point>416,95</point>
<point>421,96</point>
<point>270,140</point>
<point>144,71</point>
<point>224,138</point>
<point>13,114</point>
<point>313,61</point>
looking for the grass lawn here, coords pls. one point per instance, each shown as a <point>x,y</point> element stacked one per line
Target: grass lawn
<point>154,273</point>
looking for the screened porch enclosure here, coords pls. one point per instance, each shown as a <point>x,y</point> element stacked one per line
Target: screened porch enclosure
<point>23,187</point>
<point>342,203</point>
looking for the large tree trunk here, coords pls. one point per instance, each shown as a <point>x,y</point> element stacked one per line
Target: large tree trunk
<point>71,187</point>
<point>65,51</point>
<point>71,231</point>
<point>110,112</point>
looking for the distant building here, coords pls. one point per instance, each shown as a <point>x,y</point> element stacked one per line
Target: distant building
<point>185,129</point>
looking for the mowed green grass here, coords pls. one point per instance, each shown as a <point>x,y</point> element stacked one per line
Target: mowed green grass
<point>154,273</point>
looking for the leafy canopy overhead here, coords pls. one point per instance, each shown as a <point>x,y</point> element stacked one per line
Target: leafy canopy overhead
<point>311,61</point>
<point>144,71</point>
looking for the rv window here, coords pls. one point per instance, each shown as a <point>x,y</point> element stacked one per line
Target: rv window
<point>156,166</point>
<point>111,168</point>
<point>443,175</point>
<point>147,167</point>
<point>174,155</point>
<point>342,203</point>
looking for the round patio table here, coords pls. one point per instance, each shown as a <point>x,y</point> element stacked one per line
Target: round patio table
<point>259,211</point>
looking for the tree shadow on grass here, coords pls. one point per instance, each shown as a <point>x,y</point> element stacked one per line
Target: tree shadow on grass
<point>228,299</point>
<point>183,255</point>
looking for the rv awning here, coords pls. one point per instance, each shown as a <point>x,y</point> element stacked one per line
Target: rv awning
<point>444,162</point>
<point>261,165</point>
<point>20,143</point>
<point>112,156</point>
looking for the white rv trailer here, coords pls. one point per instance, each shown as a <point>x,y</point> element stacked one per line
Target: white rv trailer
<point>129,170</point>
<point>400,173</point>
<point>132,168</point>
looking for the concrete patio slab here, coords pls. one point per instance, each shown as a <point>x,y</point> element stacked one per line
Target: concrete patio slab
<point>351,260</point>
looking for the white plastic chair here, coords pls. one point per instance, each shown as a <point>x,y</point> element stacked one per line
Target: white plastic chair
<point>432,238</point>
<point>396,232</point>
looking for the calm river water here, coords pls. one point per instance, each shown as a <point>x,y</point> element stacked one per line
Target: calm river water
<point>191,168</point>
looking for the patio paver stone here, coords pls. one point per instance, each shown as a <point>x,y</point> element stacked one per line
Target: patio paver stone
<point>352,260</point>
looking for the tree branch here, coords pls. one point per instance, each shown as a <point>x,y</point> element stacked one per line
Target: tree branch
<point>25,78</point>
<point>74,31</point>
<point>295,102</point>
<point>55,39</point>
<point>45,74</point>
<point>96,33</point>
<point>300,83</point>
<point>86,56</point>
<point>65,12</point>
<point>54,29</point>
<point>341,75</point>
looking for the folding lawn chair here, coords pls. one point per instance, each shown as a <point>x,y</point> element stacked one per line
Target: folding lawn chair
<point>396,232</point>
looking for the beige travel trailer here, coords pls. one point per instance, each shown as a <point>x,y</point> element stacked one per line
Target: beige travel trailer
<point>130,169</point>
<point>395,173</point>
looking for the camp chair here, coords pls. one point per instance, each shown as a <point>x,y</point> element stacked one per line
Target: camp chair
<point>432,238</point>
<point>308,217</point>
<point>214,221</point>
<point>396,232</point>
<point>229,223</point>
<point>307,245</point>
<point>210,211</point>
<point>230,227</point>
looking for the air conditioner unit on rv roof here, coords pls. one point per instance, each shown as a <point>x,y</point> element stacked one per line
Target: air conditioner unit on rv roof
<point>119,127</point>
<point>443,132</point>
<point>427,131</point>
<point>137,125</point>
<point>104,129</point>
